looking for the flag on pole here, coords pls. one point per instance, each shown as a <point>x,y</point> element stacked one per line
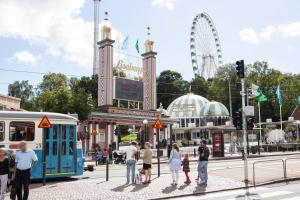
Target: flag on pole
<point>137,46</point>
<point>125,43</point>
<point>261,97</point>
<point>254,90</point>
<point>278,94</point>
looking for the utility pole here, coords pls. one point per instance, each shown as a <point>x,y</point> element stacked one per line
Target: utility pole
<point>241,74</point>
<point>96,37</point>
<point>230,101</point>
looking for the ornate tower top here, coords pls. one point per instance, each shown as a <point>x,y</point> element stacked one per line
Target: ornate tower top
<point>106,30</point>
<point>149,43</point>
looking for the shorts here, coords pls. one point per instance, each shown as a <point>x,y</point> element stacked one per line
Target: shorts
<point>146,166</point>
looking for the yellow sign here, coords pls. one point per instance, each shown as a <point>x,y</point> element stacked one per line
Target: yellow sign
<point>45,123</point>
<point>157,124</point>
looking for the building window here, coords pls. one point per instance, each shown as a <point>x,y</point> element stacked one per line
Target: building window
<point>197,122</point>
<point>193,120</point>
<point>123,104</point>
<point>182,123</point>
<point>19,131</point>
<point>115,103</point>
<point>195,135</point>
<point>2,131</point>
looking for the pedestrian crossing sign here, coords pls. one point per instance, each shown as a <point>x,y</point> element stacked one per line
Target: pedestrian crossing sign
<point>157,124</point>
<point>45,123</point>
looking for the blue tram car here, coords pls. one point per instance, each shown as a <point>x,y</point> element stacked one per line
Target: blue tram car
<point>64,156</point>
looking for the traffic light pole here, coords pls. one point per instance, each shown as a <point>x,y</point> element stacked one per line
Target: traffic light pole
<point>244,133</point>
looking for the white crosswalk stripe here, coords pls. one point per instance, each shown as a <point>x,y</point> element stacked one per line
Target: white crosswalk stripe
<point>292,198</point>
<point>269,194</point>
<point>224,194</point>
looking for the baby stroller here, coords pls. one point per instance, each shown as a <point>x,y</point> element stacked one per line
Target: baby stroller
<point>119,157</point>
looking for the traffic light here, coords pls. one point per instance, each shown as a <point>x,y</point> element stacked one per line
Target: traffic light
<point>240,70</point>
<point>238,120</point>
<point>250,123</point>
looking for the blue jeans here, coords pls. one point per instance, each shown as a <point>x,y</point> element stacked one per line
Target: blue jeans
<point>202,171</point>
<point>130,167</point>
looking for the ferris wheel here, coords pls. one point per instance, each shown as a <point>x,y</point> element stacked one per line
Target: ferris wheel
<point>205,46</point>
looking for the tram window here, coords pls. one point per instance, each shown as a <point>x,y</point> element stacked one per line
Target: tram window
<point>71,133</point>
<point>54,133</point>
<point>19,131</point>
<point>63,148</point>
<point>2,132</point>
<point>47,148</point>
<point>71,148</point>
<point>54,148</point>
<point>64,133</point>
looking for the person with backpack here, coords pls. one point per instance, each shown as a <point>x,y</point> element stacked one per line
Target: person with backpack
<point>4,172</point>
<point>202,163</point>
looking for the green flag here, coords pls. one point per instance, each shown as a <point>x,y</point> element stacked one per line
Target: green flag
<point>137,46</point>
<point>261,97</point>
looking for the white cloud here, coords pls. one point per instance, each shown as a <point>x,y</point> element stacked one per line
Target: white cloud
<point>53,24</point>
<point>169,4</point>
<point>249,35</point>
<point>284,30</point>
<point>290,29</point>
<point>267,32</point>
<point>24,57</point>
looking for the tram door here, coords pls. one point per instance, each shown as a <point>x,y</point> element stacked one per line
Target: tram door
<point>60,150</point>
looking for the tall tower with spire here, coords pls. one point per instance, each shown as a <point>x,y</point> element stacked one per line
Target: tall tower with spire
<point>96,37</point>
<point>149,74</point>
<point>105,69</point>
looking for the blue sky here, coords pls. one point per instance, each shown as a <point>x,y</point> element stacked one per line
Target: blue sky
<point>57,35</point>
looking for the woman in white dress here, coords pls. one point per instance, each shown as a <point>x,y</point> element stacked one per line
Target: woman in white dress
<point>175,163</point>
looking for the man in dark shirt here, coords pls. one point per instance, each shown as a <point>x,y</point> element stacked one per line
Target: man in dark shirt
<point>202,162</point>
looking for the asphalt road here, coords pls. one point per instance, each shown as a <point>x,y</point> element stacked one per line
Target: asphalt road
<point>282,191</point>
<point>215,167</point>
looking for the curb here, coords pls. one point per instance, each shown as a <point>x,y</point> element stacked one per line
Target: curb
<point>235,157</point>
<point>198,194</point>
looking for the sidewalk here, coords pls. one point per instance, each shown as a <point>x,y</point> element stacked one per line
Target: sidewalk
<point>115,189</point>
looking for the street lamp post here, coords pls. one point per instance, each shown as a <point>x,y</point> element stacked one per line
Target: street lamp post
<point>145,122</point>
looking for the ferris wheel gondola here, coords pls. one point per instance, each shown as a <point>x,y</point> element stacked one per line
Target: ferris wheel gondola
<point>206,53</point>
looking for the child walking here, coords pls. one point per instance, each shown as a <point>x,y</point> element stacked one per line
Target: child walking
<point>186,168</point>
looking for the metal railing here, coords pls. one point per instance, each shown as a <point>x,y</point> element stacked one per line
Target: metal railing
<point>285,163</point>
<point>268,161</point>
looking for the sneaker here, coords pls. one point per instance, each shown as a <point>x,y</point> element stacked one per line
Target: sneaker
<point>187,182</point>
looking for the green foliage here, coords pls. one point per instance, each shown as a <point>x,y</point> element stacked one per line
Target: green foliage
<point>24,91</point>
<point>53,81</point>
<point>170,85</point>
<point>130,137</point>
<point>199,86</point>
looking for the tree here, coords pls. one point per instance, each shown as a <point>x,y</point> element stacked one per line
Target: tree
<point>24,91</point>
<point>170,85</point>
<point>199,86</point>
<point>218,87</point>
<point>53,81</point>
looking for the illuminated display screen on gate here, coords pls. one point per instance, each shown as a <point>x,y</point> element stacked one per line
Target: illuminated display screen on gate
<point>128,89</point>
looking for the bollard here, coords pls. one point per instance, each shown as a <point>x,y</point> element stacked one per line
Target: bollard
<point>194,153</point>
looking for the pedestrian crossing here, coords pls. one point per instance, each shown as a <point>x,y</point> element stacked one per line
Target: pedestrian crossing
<point>259,193</point>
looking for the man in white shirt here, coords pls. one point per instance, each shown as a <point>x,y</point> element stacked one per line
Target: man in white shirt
<point>131,161</point>
<point>26,160</point>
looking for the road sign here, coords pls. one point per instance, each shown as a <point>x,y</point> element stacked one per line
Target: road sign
<point>45,123</point>
<point>157,124</point>
<point>94,132</point>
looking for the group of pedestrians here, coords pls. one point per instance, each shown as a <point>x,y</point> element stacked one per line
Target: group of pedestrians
<point>25,160</point>
<point>176,164</point>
